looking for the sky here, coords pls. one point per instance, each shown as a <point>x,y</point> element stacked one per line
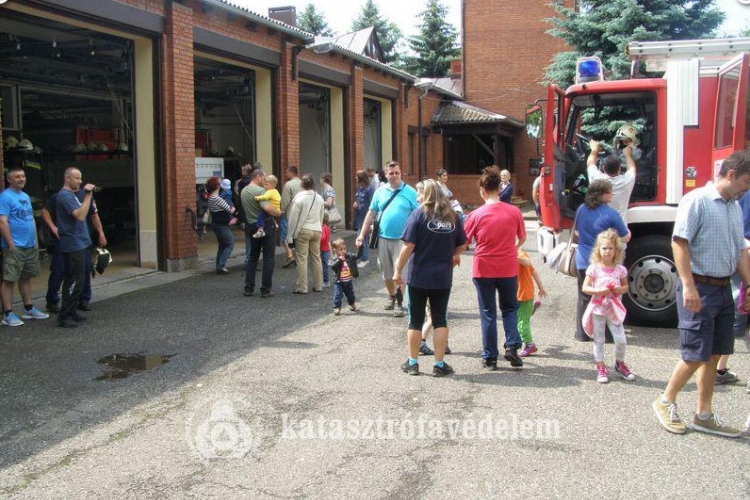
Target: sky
<point>340,13</point>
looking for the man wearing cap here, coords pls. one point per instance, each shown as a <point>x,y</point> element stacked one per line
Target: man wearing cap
<point>622,183</point>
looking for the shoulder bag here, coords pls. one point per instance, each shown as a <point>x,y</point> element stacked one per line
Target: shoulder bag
<point>375,235</point>
<point>562,258</point>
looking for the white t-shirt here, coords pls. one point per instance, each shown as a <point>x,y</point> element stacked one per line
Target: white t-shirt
<point>622,186</point>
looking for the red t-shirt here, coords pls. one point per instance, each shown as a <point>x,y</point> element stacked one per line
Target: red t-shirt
<point>495,227</point>
<point>325,239</point>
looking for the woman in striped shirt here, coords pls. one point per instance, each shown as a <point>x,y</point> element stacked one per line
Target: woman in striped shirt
<point>221,214</point>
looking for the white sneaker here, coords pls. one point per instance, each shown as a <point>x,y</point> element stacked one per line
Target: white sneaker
<point>34,313</point>
<point>362,263</point>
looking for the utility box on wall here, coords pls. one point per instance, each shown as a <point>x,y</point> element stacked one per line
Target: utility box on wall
<point>208,167</point>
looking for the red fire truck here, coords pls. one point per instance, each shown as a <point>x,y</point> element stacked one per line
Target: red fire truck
<point>688,122</point>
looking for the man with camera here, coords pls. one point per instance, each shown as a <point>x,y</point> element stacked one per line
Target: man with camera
<point>74,243</point>
<point>626,142</point>
<point>57,266</point>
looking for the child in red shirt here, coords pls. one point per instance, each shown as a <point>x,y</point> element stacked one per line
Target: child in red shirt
<point>325,249</point>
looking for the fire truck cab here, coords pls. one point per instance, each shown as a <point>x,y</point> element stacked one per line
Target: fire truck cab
<point>688,122</point>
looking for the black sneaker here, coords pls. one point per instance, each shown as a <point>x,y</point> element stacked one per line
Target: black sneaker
<point>490,363</point>
<point>78,318</point>
<point>53,308</point>
<point>425,349</point>
<point>248,292</point>
<point>67,323</point>
<point>84,305</point>
<point>266,295</point>
<point>511,355</point>
<point>410,369</point>
<point>442,371</point>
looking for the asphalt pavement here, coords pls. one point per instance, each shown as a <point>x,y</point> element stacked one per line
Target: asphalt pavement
<point>244,397</point>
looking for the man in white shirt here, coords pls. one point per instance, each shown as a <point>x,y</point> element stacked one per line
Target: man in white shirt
<point>622,183</point>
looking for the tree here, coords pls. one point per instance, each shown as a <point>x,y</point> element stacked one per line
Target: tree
<point>604,27</point>
<point>435,46</point>
<point>314,22</point>
<point>388,32</point>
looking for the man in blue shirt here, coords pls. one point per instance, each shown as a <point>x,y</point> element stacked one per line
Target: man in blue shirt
<point>391,206</point>
<point>708,247</point>
<point>74,243</point>
<point>20,252</point>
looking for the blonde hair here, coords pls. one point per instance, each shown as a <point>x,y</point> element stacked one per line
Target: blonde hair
<point>435,204</point>
<point>337,244</point>
<point>608,235</point>
<point>272,180</point>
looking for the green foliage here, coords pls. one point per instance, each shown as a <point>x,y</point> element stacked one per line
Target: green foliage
<point>435,46</point>
<point>314,22</point>
<point>388,32</point>
<point>604,27</point>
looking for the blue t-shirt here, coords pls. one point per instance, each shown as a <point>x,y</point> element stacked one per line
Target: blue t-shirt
<point>74,233</point>
<point>435,243</point>
<point>745,206</point>
<point>393,220</point>
<point>590,223</point>
<point>16,206</point>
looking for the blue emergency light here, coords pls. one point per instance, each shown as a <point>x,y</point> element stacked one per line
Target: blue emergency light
<point>589,69</point>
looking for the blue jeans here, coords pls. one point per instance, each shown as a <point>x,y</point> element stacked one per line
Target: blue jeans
<point>324,258</point>
<point>57,275</point>
<point>267,245</point>
<point>506,289</point>
<point>339,290</point>
<point>226,244</point>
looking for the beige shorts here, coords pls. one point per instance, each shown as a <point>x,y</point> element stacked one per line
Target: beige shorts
<point>21,263</point>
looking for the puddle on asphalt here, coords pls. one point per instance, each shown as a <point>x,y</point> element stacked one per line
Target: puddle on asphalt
<point>123,365</point>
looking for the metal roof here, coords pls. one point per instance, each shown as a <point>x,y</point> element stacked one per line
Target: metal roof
<point>458,113</point>
<point>307,38</point>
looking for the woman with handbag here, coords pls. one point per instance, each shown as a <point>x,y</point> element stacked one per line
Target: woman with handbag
<point>329,200</point>
<point>305,230</point>
<point>593,217</point>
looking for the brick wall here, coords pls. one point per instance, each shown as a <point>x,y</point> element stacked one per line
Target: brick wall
<point>177,84</point>
<point>505,51</point>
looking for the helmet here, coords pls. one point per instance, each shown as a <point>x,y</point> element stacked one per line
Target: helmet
<point>11,142</point>
<point>80,148</point>
<point>26,145</point>
<point>122,146</point>
<point>103,148</point>
<point>627,131</point>
<point>102,259</point>
<point>93,146</point>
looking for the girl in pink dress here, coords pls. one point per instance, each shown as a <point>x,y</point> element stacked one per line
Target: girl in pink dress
<point>606,280</point>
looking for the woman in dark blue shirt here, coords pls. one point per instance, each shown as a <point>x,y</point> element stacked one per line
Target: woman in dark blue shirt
<point>435,236</point>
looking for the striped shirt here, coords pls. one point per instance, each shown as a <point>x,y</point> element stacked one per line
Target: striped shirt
<point>220,210</point>
<point>712,227</point>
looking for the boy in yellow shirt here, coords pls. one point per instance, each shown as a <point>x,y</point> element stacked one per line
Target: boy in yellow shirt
<point>271,195</point>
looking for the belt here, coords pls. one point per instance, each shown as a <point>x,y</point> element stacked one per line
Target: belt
<point>708,280</point>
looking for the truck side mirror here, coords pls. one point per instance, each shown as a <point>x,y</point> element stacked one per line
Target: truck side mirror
<point>534,121</point>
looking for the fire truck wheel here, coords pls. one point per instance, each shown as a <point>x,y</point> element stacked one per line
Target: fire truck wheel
<point>652,276</point>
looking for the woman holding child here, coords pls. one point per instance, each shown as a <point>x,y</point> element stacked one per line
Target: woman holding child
<point>221,214</point>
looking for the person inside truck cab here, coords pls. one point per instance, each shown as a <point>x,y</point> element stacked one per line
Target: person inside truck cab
<point>626,142</point>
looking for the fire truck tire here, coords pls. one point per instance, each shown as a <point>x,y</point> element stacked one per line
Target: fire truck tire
<point>652,277</point>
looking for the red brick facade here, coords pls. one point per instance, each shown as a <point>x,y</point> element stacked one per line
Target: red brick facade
<point>505,52</point>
